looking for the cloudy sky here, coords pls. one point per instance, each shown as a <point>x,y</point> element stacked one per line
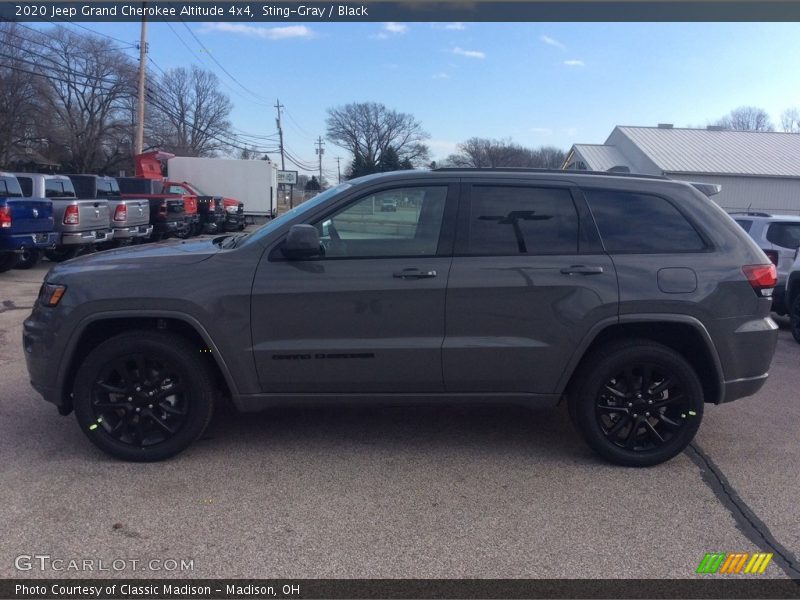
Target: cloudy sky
<point>536,83</point>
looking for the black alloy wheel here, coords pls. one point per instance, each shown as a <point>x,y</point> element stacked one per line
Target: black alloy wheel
<point>144,395</point>
<point>636,403</point>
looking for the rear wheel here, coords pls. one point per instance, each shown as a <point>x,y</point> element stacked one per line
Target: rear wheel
<point>8,261</point>
<point>637,403</point>
<point>143,396</point>
<point>28,259</point>
<point>62,254</point>
<point>794,316</point>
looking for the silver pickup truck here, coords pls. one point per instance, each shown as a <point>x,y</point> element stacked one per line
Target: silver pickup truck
<point>80,224</point>
<point>129,219</point>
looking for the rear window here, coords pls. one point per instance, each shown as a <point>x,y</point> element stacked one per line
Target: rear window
<point>26,184</point>
<point>632,223</point>
<point>746,225</point>
<point>58,188</point>
<point>9,187</point>
<point>785,235</point>
<point>107,188</point>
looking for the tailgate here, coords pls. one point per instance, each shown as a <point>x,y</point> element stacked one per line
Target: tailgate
<point>175,208</point>
<point>138,212</point>
<point>30,215</point>
<point>93,214</point>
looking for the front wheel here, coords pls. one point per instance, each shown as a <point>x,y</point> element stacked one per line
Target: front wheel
<point>143,396</point>
<point>794,316</point>
<point>637,403</point>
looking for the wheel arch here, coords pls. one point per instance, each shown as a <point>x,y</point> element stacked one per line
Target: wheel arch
<point>682,333</point>
<point>102,326</point>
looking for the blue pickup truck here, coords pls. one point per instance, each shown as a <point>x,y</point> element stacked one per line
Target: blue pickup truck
<point>26,224</point>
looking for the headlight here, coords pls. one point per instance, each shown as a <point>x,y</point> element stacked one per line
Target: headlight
<point>50,294</point>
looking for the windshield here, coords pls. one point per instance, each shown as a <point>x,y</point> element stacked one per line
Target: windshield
<point>309,205</point>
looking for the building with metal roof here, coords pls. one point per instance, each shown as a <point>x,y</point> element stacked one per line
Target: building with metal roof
<point>757,170</point>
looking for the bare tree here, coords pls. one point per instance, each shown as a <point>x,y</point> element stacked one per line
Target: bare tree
<point>747,118</point>
<point>187,114</point>
<point>369,129</point>
<point>84,88</point>
<point>18,96</point>
<point>790,120</point>
<point>488,153</point>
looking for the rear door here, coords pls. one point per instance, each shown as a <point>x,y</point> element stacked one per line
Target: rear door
<point>529,280</point>
<point>368,316</point>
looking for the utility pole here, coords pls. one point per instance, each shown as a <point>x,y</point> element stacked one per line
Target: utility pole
<point>320,152</point>
<point>138,143</point>
<point>282,186</point>
<point>279,106</point>
<point>339,168</point>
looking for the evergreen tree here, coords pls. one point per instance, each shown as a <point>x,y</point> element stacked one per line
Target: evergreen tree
<point>389,160</point>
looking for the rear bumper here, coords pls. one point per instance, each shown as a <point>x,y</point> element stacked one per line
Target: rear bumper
<point>26,241</point>
<point>133,232</point>
<point>746,354</point>
<point>80,238</point>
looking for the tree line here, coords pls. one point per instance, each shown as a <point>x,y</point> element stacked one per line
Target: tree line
<point>68,102</point>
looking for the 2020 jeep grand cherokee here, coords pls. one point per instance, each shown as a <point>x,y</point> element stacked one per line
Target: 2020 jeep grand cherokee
<point>637,299</point>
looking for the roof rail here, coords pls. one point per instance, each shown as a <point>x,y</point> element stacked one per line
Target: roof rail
<point>551,171</point>
<point>750,213</point>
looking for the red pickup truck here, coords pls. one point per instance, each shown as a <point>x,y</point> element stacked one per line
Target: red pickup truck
<point>148,166</point>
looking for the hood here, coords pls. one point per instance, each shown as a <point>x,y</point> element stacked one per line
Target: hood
<point>147,256</point>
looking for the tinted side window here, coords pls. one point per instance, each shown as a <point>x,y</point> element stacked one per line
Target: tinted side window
<point>395,222</point>
<point>506,220</point>
<point>746,225</point>
<point>785,235</point>
<point>632,223</point>
<point>9,187</point>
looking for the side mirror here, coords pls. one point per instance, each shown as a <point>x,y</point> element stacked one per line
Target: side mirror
<point>302,242</point>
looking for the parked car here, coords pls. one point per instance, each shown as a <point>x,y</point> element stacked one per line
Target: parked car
<point>26,225</point>
<point>779,237</point>
<point>389,205</point>
<point>167,211</point>
<point>634,298</point>
<point>792,296</point>
<point>81,224</point>
<point>129,218</point>
<point>210,208</point>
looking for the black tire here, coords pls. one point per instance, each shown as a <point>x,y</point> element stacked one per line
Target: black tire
<point>636,403</point>
<point>794,318</point>
<point>28,259</point>
<point>8,260</point>
<point>61,254</point>
<point>143,396</point>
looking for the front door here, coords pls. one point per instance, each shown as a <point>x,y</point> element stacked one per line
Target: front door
<point>368,316</point>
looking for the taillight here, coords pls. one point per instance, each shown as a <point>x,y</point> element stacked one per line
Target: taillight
<point>72,215</point>
<point>121,213</point>
<point>5,217</point>
<point>162,209</point>
<point>762,277</point>
<point>772,255</point>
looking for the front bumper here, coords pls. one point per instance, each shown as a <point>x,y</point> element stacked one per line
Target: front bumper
<point>26,241</point>
<point>42,358</point>
<point>81,238</point>
<point>134,232</point>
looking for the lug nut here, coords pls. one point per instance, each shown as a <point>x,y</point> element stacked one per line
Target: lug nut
<point>649,401</point>
<point>138,388</point>
<point>149,406</point>
<point>130,398</point>
<point>630,404</point>
<point>646,414</point>
<point>634,414</point>
<point>138,409</point>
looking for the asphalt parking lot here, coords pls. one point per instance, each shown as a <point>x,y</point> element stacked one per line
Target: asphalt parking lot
<point>428,492</point>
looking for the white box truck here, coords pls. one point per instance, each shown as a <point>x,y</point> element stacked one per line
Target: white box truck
<point>252,182</point>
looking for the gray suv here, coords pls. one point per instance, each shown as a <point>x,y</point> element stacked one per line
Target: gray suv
<point>636,299</point>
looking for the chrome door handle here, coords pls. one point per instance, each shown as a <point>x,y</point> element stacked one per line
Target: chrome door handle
<point>414,274</point>
<point>581,270</point>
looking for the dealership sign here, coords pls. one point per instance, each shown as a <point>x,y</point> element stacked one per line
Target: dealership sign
<point>288,177</point>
